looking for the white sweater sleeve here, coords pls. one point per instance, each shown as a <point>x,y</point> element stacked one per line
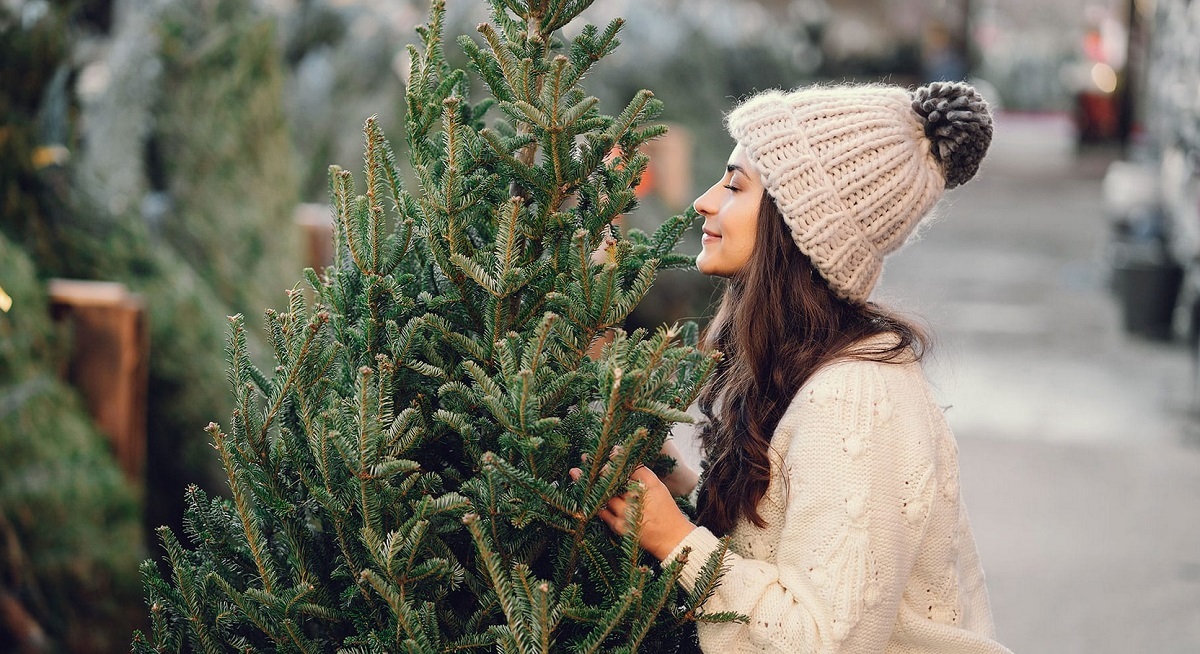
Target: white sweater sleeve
<point>858,468</point>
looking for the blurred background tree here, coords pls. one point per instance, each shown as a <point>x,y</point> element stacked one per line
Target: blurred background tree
<point>70,528</point>
<point>222,154</point>
<point>89,94</point>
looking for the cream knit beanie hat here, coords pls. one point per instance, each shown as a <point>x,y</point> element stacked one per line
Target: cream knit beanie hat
<point>854,169</point>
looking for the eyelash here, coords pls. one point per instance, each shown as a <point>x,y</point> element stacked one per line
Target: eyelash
<point>731,187</point>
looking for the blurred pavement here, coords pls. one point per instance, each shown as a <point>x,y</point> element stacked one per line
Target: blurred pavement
<point>1078,445</point>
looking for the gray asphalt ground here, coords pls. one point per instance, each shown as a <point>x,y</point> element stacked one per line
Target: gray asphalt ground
<point>1078,443</point>
<point>1079,446</point>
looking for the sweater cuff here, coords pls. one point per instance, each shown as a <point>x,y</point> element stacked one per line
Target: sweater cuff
<point>702,544</point>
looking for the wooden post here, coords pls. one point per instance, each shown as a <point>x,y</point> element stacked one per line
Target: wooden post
<point>671,166</point>
<point>316,222</point>
<point>109,359</point>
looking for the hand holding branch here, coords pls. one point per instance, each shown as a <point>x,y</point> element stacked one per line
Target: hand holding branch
<point>663,524</point>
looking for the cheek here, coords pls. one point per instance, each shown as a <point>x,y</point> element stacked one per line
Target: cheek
<point>740,250</point>
<point>745,233</point>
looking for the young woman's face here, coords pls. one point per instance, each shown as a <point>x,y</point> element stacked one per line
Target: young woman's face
<point>730,210</point>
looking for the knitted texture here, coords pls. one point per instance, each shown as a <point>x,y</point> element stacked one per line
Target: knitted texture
<point>867,546</point>
<point>854,169</point>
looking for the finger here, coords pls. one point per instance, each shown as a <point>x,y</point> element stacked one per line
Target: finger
<point>617,505</point>
<point>615,522</point>
<point>575,474</point>
<point>643,475</point>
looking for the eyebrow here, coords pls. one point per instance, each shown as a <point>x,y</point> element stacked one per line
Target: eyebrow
<point>729,168</point>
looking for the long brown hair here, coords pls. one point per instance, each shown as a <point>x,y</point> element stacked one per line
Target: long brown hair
<point>777,324</point>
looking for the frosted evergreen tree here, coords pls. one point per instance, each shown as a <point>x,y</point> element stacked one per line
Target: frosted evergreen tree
<point>400,479</point>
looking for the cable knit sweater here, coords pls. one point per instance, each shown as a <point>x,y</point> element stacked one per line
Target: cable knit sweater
<point>867,547</point>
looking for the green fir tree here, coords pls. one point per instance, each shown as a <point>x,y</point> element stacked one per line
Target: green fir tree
<point>400,479</point>
<point>70,528</point>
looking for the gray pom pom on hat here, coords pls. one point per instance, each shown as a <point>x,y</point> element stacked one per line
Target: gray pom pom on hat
<point>855,168</point>
<point>958,125</point>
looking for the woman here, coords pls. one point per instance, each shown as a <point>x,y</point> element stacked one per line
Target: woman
<point>829,465</point>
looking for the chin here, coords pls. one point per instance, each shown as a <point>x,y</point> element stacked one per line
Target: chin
<point>709,268</point>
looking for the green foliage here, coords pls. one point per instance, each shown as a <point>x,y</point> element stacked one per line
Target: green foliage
<point>32,58</point>
<point>219,139</point>
<point>400,479</point>
<point>70,537</point>
<point>223,147</point>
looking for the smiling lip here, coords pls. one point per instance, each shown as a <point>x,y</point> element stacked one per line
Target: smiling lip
<point>710,235</point>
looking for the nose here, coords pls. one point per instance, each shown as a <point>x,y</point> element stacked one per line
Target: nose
<point>706,204</point>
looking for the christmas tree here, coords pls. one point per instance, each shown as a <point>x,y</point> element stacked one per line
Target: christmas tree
<point>70,531</point>
<point>400,479</point>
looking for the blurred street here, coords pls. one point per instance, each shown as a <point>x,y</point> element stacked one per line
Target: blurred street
<point>1078,448</point>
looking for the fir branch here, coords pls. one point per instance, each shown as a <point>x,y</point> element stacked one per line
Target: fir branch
<point>503,148</point>
<point>706,585</point>
<point>617,311</point>
<point>501,412</point>
<point>631,549</point>
<point>402,435</point>
<point>251,610</point>
<point>407,622</point>
<point>587,49</point>
<point>377,177</point>
<point>250,527</point>
<point>162,598</point>
<point>534,356</point>
<point>482,379</point>
<point>611,621</point>
<point>313,330</point>
<point>575,112</point>
<point>634,112</point>
<point>190,590</point>
<point>476,272</point>
<point>367,452</point>
<point>348,208</point>
<point>456,421</point>
<point>297,637</point>
<point>521,110</point>
<point>606,295</point>
<point>488,68</point>
<point>654,602</point>
<point>508,64</point>
<point>505,592</point>
<point>543,490</point>
<point>669,233</point>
